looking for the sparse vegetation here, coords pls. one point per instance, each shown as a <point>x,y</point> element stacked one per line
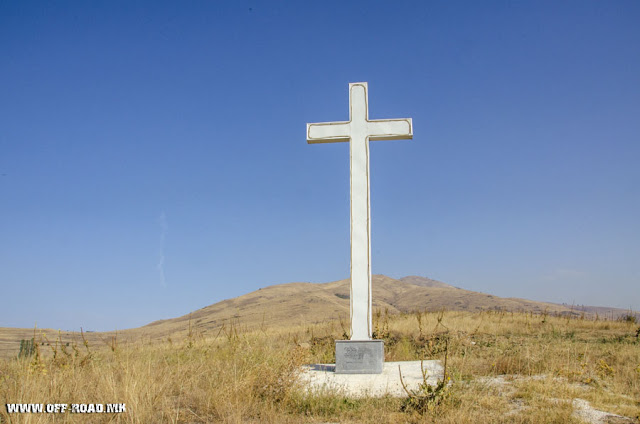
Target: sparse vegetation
<point>503,367</point>
<point>630,318</point>
<point>27,348</point>
<point>427,397</point>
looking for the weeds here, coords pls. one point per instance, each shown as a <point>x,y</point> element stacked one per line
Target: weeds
<point>427,397</point>
<point>629,318</point>
<point>381,326</point>
<point>238,375</point>
<point>27,348</point>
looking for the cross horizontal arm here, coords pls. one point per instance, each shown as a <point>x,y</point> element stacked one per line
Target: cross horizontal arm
<point>328,132</point>
<point>390,129</point>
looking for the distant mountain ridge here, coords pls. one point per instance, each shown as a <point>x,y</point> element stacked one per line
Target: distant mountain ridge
<point>310,303</point>
<point>424,282</point>
<point>284,305</point>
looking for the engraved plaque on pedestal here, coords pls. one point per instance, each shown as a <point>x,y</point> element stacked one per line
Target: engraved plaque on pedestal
<point>359,356</point>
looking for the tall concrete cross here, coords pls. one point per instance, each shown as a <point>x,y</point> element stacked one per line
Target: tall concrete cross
<point>358,131</point>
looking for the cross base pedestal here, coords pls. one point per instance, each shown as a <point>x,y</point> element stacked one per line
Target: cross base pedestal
<point>359,356</point>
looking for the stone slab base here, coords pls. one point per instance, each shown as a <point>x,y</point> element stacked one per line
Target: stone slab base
<point>359,356</point>
<point>319,378</point>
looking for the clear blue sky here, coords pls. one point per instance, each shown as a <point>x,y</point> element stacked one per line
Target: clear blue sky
<point>153,158</point>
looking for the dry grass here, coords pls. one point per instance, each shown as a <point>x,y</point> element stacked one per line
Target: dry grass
<point>505,367</point>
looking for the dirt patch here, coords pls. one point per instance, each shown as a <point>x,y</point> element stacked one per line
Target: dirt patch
<point>584,411</point>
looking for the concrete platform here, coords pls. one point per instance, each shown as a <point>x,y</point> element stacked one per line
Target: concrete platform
<point>322,378</point>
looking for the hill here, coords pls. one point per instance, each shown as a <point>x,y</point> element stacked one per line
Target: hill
<point>285,305</point>
<point>424,282</point>
<point>312,303</point>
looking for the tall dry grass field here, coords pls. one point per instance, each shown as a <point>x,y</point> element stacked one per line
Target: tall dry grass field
<point>504,367</point>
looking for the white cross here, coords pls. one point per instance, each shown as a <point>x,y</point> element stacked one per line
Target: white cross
<point>359,130</point>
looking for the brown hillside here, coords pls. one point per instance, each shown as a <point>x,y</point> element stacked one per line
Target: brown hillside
<point>311,303</point>
<point>424,281</point>
<point>290,304</point>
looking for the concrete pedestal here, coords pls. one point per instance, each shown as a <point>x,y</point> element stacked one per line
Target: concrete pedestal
<point>322,379</point>
<point>359,356</point>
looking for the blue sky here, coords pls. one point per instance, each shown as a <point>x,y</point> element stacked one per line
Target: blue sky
<point>153,158</point>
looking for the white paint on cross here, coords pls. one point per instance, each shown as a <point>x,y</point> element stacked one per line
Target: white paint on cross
<point>358,131</point>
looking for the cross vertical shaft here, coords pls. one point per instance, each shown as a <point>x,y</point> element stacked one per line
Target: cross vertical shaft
<point>358,131</point>
<point>360,298</point>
